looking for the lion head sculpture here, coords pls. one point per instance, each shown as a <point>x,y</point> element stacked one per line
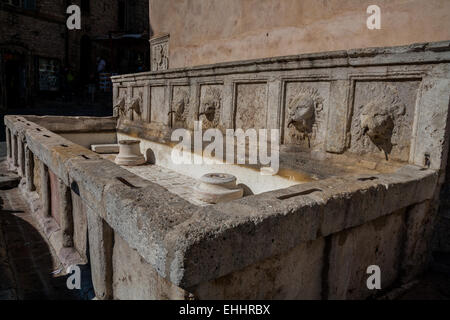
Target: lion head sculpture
<point>135,105</point>
<point>210,107</point>
<point>181,107</point>
<point>303,111</point>
<point>378,118</point>
<point>120,107</point>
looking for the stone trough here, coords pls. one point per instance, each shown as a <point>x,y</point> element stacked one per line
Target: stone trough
<point>364,139</point>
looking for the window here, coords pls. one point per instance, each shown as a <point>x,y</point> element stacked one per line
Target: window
<point>25,4</point>
<point>29,4</point>
<point>49,74</point>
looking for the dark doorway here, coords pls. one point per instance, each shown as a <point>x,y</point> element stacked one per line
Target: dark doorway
<point>85,59</point>
<point>15,80</point>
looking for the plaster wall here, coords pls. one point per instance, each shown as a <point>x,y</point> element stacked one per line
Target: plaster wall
<point>206,32</point>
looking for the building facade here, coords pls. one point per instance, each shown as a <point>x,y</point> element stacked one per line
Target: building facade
<point>235,30</point>
<point>37,50</point>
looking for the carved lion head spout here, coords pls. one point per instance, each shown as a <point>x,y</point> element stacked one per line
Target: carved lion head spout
<point>135,105</point>
<point>181,107</point>
<point>301,115</point>
<point>377,121</point>
<point>119,107</point>
<point>303,110</point>
<point>210,107</point>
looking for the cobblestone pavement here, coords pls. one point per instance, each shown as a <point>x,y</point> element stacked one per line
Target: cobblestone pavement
<point>26,260</point>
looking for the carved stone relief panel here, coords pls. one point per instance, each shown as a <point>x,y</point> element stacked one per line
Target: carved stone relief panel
<point>251,106</point>
<point>210,106</point>
<point>305,113</point>
<point>159,53</point>
<point>180,108</point>
<point>137,103</point>
<point>383,116</point>
<point>120,103</point>
<point>159,108</point>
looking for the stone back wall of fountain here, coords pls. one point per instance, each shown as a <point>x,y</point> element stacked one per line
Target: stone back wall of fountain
<point>384,103</point>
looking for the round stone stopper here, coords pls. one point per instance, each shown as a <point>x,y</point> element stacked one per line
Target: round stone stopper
<point>129,153</point>
<point>217,187</point>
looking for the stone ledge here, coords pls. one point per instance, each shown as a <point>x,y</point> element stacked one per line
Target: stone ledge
<point>409,54</point>
<point>182,241</point>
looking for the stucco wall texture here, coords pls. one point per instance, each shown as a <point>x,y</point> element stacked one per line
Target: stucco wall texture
<point>211,31</point>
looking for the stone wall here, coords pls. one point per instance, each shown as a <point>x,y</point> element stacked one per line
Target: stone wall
<point>401,87</point>
<point>205,32</point>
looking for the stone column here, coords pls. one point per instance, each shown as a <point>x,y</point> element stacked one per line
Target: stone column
<point>226,116</point>
<point>338,116</point>
<point>65,210</point>
<point>21,157</point>
<point>273,108</point>
<point>101,237</point>
<point>14,151</point>
<point>45,190</point>
<point>29,170</point>
<point>8,143</point>
<point>115,98</point>
<point>420,219</point>
<point>146,116</point>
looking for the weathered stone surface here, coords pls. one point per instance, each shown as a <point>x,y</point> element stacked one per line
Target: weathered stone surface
<point>80,232</point>
<point>105,148</point>
<point>159,105</point>
<point>251,106</point>
<point>8,143</point>
<point>420,220</point>
<point>101,238</point>
<point>432,122</point>
<point>65,212</point>
<point>44,184</point>
<point>272,278</point>
<point>354,250</point>
<point>29,170</point>
<point>338,117</point>
<point>21,156</point>
<point>135,279</point>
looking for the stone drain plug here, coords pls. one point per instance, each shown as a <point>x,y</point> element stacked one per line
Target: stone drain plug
<point>217,187</point>
<point>129,153</point>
